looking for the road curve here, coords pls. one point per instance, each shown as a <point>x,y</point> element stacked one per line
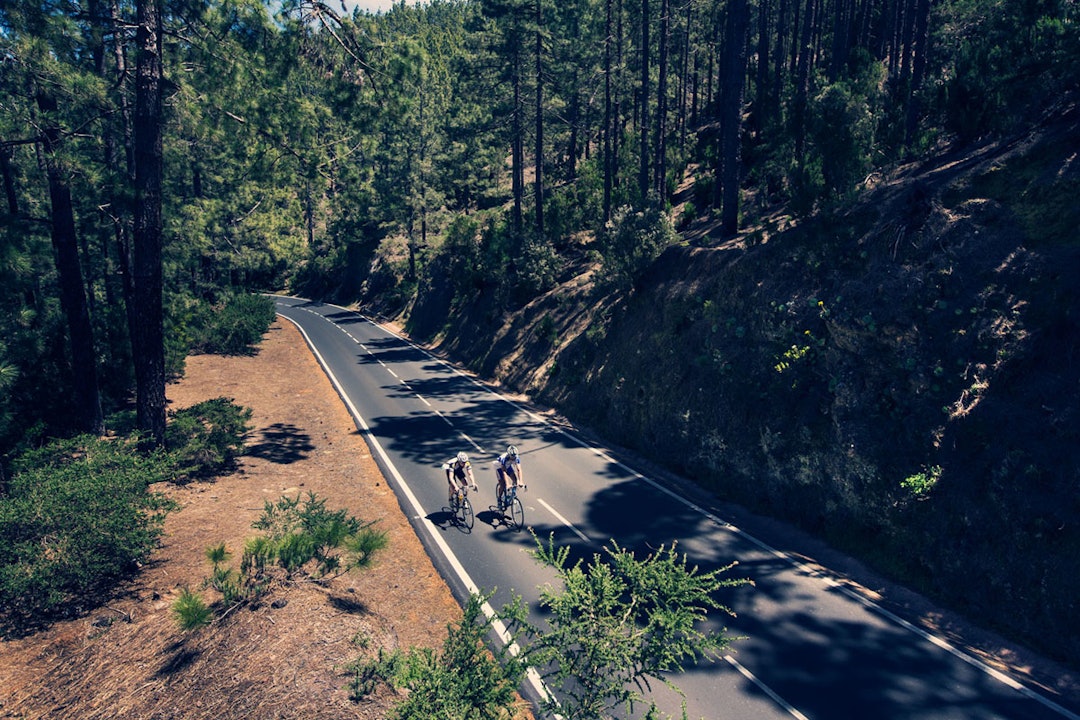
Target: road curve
<point>813,648</point>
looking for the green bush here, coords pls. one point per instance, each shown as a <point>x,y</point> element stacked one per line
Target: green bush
<point>302,536</point>
<point>206,438</point>
<point>234,326</point>
<point>464,680</point>
<point>191,611</point>
<point>304,531</point>
<point>617,623</point>
<point>78,519</point>
<point>632,240</point>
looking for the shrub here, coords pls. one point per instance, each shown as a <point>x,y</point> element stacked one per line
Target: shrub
<point>632,241</point>
<point>190,611</point>
<point>302,535</point>
<point>464,680</point>
<point>921,483</point>
<point>304,531</point>
<point>206,438</point>
<point>78,519</point>
<point>233,325</point>
<point>237,325</point>
<point>615,624</point>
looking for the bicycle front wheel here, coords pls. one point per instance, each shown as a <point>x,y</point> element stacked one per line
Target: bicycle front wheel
<point>466,513</point>
<point>517,513</point>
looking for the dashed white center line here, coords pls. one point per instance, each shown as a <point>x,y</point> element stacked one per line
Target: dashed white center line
<point>764,688</point>
<point>564,521</point>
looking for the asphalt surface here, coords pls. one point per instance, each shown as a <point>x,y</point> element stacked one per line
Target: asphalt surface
<point>811,647</point>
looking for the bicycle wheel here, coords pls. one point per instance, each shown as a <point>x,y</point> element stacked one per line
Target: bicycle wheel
<point>517,512</point>
<point>465,513</point>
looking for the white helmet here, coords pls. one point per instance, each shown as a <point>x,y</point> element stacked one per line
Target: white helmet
<point>512,451</point>
<point>462,457</point>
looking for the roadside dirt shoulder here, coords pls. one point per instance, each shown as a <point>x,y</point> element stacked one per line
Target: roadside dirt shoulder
<point>286,658</point>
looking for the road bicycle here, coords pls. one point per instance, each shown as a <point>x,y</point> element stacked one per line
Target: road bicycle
<point>510,502</point>
<point>461,508</point>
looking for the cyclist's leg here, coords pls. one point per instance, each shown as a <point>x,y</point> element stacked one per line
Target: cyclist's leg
<point>500,485</point>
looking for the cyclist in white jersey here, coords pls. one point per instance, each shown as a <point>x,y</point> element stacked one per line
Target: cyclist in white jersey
<point>508,465</point>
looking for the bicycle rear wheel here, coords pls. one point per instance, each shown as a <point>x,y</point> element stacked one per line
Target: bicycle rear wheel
<point>517,512</point>
<point>465,513</point>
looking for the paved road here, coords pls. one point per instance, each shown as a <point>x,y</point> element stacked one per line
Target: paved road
<point>813,648</point>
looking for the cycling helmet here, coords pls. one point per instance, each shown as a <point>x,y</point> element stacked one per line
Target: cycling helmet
<point>462,457</point>
<point>512,451</point>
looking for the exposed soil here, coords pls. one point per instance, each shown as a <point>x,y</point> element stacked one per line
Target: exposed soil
<point>285,658</point>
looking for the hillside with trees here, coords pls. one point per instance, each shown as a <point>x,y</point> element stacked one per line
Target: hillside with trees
<point>845,230</point>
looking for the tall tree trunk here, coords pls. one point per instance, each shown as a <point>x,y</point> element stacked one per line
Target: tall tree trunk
<point>779,60</point>
<point>122,221</point>
<point>761,100</point>
<point>8,172</point>
<point>517,151</point>
<point>147,335</point>
<point>539,183</point>
<point>660,140</point>
<point>609,121</point>
<point>841,38</point>
<point>907,35</point>
<point>731,122</point>
<point>620,85</point>
<point>573,150</point>
<point>795,44</point>
<point>918,71</point>
<point>686,79</point>
<point>802,80</point>
<point>573,145</point>
<point>86,397</point>
<point>643,101</point>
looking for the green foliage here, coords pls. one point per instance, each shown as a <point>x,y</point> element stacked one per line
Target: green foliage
<point>233,326</point>
<point>78,518</point>
<point>1004,59</point>
<point>618,623</point>
<point>922,483</point>
<point>536,271</point>
<point>365,675</point>
<point>190,611</point>
<point>206,438</point>
<point>614,625</point>
<point>304,531</point>
<point>546,329</point>
<point>465,679</point>
<point>461,245</point>
<point>841,128</point>
<point>301,536</point>
<point>632,240</point>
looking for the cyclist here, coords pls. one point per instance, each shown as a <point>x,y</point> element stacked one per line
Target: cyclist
<point>459,474</point>
<point>507,465</point>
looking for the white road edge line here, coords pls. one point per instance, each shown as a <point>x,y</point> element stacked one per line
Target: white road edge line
<point>998,675</point>
<point>500,628</point>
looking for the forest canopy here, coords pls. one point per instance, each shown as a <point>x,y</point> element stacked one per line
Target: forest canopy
<point>484,137</point>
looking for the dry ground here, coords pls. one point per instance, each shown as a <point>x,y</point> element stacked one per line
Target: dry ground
<point>129,659</point>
